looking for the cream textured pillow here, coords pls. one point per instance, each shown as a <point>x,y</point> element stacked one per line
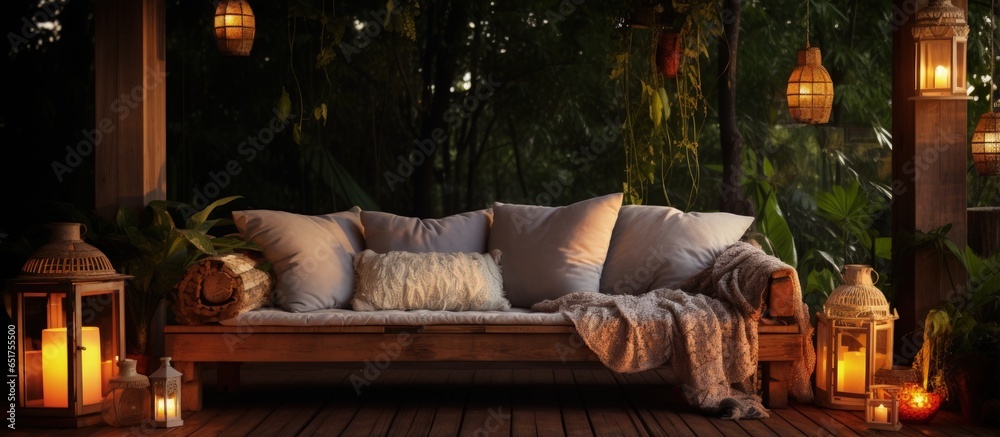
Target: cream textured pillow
<point>661,247</point>
<point>312,256</point>
<point>549,252</point>
<point>465,232</point>
<point>428,281</point>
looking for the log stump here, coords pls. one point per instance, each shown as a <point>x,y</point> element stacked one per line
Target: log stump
<point>221,287</point>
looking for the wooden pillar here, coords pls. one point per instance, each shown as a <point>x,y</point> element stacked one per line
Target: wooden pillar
<point>130,133</point>
<point>929,186</point>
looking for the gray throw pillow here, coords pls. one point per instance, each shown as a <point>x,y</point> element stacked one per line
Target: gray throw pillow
<point>312,256</point>
<point>549,252</point>
<point>465,232</point>
<point>661,247</point>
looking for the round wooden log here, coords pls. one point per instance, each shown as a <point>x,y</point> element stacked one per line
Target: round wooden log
<point>984,230</point>
<point>221,287</point>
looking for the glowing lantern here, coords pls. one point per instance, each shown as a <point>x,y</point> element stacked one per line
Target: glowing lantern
<point>917,405</point>
<point>854,340</point>
<point>235,26</point>
<point>166,385</point>
<point>69,324</point>
<point>940,33</point>
<point>882,409</point>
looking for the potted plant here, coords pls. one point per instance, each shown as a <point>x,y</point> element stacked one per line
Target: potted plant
<point>960,356</point>
<point>157,252</point>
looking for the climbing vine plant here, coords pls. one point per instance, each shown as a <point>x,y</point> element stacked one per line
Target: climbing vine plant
<point>663,117</point>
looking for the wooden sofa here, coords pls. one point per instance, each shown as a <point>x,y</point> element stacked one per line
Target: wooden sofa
<point>780,343</point>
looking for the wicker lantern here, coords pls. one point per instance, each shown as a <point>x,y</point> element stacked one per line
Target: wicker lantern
<point>69,326</point>
<point>854,340</point>
<point>234,27</point>
<point>940,34</point>
<point>810,89</point>
<point>166,384</point>
<point>986,144</point>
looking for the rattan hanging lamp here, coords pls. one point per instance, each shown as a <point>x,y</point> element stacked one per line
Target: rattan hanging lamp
<point>810,89</point>
<point>986,138</point>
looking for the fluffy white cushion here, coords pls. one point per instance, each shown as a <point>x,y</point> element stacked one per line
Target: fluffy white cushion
<point>427,281</point>
<point>661,247</point>
<point>465,232</point>
<point>312,256</point>
<point>549,252</point>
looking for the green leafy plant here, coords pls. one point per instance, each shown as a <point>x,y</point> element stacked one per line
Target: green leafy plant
<point>156,252</point>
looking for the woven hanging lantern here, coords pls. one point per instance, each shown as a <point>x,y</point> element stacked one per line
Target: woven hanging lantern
<point>234,27</point>
<point>810,89</point>
<point>986,144</point>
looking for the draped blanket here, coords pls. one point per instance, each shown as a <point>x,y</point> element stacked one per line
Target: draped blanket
<point>706,330</point>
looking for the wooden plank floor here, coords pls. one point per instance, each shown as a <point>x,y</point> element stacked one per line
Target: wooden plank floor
<point>325,400</point>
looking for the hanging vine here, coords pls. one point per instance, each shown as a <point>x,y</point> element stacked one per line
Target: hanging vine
<point>661,129</point>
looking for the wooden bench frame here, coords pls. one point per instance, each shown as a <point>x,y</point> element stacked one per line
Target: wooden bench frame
<point>228,346</point>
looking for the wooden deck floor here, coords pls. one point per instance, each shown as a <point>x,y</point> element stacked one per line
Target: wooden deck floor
<point>288,400</point>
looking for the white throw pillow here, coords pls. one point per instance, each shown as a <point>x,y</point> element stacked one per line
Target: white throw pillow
<point>465,232</point>
<point>312,256</point>
<point>549,252</point>
<point>661,247</point>
<point>428,281</point>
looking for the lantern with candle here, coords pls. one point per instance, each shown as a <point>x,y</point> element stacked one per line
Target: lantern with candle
<point>940,32</point>
<point>882,408</point>
<point>69,324</point>
<point>854,340</point>
<point>166,385</point>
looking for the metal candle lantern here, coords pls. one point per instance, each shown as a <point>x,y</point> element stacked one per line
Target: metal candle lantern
<point>854,340</point>
<point>166,384</point>
<point>940,33</point>
<point>67,307</point>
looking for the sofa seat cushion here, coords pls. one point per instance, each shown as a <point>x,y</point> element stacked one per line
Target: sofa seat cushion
<point>345,317</point>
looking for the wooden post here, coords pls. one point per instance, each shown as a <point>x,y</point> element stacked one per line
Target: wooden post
<point>929,186</point>
<point>984,230</point>
<point>130,103</point>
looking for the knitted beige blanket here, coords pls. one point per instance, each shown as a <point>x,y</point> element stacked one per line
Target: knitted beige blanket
<point>707,333</point>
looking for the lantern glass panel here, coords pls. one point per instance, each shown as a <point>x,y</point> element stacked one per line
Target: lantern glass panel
<point>852,363</point>
<point>883,346</point>
<point>960,65</point>
<point>38,313</point>
<point>100,310</point>
<point>935,68</point>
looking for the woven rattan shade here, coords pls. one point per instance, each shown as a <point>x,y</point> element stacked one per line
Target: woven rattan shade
<point>858,297</point>
<point>66,255</point>
<point>986,144</point>
<point>234,27</point>
<point>810,89</point>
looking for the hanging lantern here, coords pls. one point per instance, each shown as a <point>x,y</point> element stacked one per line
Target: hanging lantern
<point>810,89</point>
<point>234,27</point>
<point>166,384</point>
<point>854,340</point>
<point>668,53</point>
<point>882,408</point>
<point>69,325</point>
<point>986,144</point>
<point>940,33</point>
<point>127,403</point>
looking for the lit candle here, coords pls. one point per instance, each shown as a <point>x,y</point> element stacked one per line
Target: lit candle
<point>105,375</point>
<point>55,370</point>
<point>170,404</point>
<point>851,373</point>
<point>881,414</point>
<point>941,77</point>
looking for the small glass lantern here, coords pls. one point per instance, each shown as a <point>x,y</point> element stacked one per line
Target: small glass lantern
<point>128,402</point>
<point>882,409</point>
<point>940,33</point>
<point>854,340</point>
<point>69,322</point>
<point>166,384</point>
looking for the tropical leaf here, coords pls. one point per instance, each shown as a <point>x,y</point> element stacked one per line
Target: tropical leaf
<point>772,223</point>
<point>284,105</point>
